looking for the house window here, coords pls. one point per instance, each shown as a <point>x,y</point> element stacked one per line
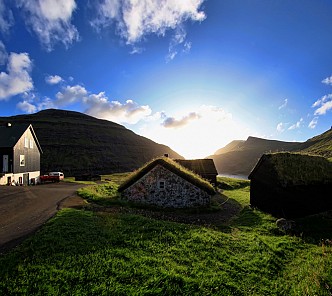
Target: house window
<point>161,184</point>
<point>31,143</point>
<point>26,142</point>
<point>22,160</point>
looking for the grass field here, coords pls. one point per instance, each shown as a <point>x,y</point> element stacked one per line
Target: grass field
<point>83,252</point>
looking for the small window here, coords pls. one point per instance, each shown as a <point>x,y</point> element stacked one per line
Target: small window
<point>161,184</point>
<point>22,160</point>
<point>26,142</point>
<point>31,143</point>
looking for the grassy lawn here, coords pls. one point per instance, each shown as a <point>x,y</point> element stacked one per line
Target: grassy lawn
<point>81,252</point>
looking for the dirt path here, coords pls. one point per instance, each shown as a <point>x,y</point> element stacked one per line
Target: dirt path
<point>24,209</point>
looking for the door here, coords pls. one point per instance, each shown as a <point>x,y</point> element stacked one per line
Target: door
<point>25,179</point>
<point>5,163</point>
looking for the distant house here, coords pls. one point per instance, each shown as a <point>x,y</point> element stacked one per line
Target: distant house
<point>291,185</point>
<point>203,167</point>
<point>19,155</point>
<point>163,182</point>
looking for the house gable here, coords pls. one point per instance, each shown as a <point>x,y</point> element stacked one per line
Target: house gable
<point>164,183</point>
<point>19,154</point>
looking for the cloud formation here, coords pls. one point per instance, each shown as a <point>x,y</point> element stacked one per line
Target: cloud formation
<point>313,123</point>
<point>70,95</point>
<point>284,104</point>
<point>327,80</point>
<point>130,112</point>
<point>3,54</point>
<point>134,19</point>
<point>324,104</point>
<point>53,79</point>
<point>280,127</point>
<point>50,20</point>
<point>17,79</point>
<point>171,122</point>
<point>97,105</point>
<point>6,18</point>
<point>26,107</point>
<point>296,125</point>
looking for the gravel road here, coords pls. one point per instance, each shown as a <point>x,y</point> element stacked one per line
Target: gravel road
<point>23,209</point>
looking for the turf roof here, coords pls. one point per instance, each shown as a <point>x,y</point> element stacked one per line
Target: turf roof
<point>296,168</point>
<point>172,166</point>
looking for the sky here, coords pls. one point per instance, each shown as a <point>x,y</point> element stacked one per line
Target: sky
<point>190,74</point>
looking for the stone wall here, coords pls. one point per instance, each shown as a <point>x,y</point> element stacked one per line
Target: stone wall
<point>177,192</point>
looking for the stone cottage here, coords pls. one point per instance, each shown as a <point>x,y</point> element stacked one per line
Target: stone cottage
<point>291,185</point>
<point>164,183</point>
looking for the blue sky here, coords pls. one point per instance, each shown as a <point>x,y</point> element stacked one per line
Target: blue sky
<point>190,74</point>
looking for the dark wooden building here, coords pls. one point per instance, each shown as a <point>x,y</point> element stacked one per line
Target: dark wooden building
<point>19,155</point>
<point>291,185</point>
<point>203,167</point>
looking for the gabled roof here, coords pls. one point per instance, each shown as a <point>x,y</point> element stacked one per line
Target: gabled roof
<point>10,135</point>
<point>292,169</point>
<point>172,166</point>
<point>199,166</point>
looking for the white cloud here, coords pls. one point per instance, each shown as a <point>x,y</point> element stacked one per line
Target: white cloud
<point>6,18</point>
<point>280,127</point>
<point>327,80</point>
<point>26,107</point>
<point>324,104</point>
<point>99,105</point>
<point>324,108</point>
<point>322,100</point>
<point>70,95</point>
<point>296,125</point>
<point>313,123</point>
<point>50,20</point>
<point>17,80</point>
<point>171,122</point>
<point>134,19</point>
<point>284,104</point>
<point>53,79</point>
<point>130,112</point>
<point>3,53</point>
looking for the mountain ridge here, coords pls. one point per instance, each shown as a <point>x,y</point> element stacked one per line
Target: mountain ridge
<point>76,143</point>
<point>240,156</point>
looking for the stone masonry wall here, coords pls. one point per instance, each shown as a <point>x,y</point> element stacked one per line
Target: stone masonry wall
<point>177,192</point>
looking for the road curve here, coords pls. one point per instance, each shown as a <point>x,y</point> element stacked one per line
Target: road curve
<point>23,209</point>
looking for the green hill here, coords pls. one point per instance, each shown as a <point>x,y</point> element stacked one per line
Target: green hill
<point>76,143</point>
<point>240,157</point>
<point>319,145</point>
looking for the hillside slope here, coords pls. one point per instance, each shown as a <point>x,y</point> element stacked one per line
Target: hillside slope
<point>76,143</point>
<point>240,157</point>
<point>319,145</point>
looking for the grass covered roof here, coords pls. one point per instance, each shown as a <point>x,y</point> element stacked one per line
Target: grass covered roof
<point>294,168</point>
<point>172,166</point>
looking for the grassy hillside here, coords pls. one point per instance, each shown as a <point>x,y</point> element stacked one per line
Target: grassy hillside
<point>240,157</point>
<point>319,145</point>
<point>77,143</point>
<point>119,251</point>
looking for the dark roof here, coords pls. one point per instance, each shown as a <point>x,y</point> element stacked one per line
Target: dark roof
<point>172,166</point>
<point>292,169</point>
<point>9,135</point>
<point>199,166</point>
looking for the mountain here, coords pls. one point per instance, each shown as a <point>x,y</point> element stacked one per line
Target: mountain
<point>76,143</point>
<point>320,145</point>
<point>240,157</point>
